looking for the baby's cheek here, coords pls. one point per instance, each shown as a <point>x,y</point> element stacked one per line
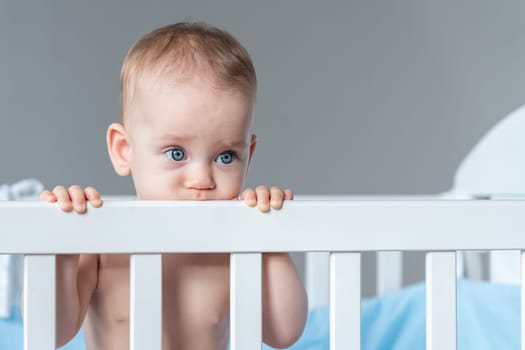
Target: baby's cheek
<point>230,194</point>
<point>228,185</point>
<point>155,188</point>
<point>149,193</point>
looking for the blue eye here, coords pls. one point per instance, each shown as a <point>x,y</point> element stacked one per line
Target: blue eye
<point>176,154</point>
<point>226,157</point>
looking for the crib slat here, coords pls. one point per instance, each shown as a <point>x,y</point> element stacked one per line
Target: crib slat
<point>522,287</point>
<point>39,302</point>
<point>389,272</point>
<point>245,301</point>
<point>146,302</point>
<point>441,300</point>
<point>345,301</point>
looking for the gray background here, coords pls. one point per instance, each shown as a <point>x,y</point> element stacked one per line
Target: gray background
<point>355,97</point>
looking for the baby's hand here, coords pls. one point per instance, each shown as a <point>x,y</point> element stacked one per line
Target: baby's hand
<point>73,198</point>
<point>265,198</point>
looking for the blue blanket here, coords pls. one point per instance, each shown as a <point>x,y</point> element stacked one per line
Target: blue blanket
<point>488,318</point>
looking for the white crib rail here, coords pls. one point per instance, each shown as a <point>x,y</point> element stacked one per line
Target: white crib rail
<point>344,228</point>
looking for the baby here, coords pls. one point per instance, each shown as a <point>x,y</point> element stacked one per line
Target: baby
<point>187,97</point>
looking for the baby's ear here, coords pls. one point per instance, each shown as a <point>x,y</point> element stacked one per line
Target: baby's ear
<point>118,148</point>
<point>253,143</point>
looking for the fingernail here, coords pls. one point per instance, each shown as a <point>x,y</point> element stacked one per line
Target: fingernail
<point>66,206</point>
<point>276,205</point>
<point>264,208</point>
<point>96,203</point>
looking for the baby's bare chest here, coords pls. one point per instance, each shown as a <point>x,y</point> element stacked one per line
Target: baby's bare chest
<point>195,296</point>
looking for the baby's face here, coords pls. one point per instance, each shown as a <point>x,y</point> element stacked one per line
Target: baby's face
<point>190,141</point>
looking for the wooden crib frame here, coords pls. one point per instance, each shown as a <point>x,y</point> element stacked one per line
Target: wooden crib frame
<point>344,228</point>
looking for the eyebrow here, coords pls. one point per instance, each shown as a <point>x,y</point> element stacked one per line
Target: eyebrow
<point>224,143</point>
<point>233,143</point>
<point>170,137</point>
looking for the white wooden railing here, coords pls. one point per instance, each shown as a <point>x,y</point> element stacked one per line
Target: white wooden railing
<point>344,228</point>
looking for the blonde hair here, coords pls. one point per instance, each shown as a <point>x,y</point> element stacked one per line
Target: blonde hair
<point>187,48</point>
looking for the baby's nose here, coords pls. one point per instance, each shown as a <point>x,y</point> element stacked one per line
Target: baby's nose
<point>200,177</point>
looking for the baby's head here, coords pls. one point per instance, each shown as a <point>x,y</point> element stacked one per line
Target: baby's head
<point>187,98</point>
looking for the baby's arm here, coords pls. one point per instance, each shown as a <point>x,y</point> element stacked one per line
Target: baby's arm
<point>77,275</point>
<point>76,281</point>
<point>285,303</point>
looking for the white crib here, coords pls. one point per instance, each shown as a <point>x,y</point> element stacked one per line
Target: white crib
<point>345,228</point>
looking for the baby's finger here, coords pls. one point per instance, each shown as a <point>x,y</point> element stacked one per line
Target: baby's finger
<point>288,194</point>
<point>63,199</point>
<point>79,200</point>
<point>48,196</point>
<point>263,198</point>
<point>93,197</point>
<point>249,197</point>
<point>276,197</point>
